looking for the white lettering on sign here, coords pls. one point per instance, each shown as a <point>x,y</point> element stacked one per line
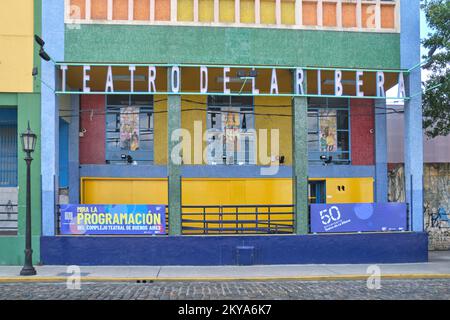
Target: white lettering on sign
<point>274,82</point>
<point>151,79</point>
<point>359,83</point>
<point>86,78</point>
<point>380,84</point>
<point>401,86</point>
<point>338,89</point>
<point>175,79</point>
<point>109,80</point>
<point>132,69</point>
<point>203,79</point>
<point>63,76</point>
<point>254,89</point>
<point>299,80</point>
<point>226,79</point>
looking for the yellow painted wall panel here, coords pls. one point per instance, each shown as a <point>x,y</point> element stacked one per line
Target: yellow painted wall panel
<point>206,10</point>
<point>16,43</point>
<point>247,11</point>
<point>288,12</point>
<point>192,112</point>
<point>267,11</point>
<point>16,63</point>
<point>236,191</point>
<point>264,105</point>
<point>356,190</point>
<point>226,10</point>
<point>185,10</point>
<point>160,127</point>
<point>123,191</point>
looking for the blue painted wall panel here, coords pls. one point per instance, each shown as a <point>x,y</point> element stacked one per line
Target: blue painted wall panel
<point>63,154</point>
<point>222,250</point>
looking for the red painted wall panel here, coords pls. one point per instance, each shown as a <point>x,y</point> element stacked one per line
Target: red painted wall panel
<point>362,121</point>
<point>92,119</point>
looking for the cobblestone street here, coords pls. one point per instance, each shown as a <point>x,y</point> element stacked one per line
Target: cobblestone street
<point>346,289</point>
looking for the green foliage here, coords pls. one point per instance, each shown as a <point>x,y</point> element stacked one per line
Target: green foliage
<point>436,104</point>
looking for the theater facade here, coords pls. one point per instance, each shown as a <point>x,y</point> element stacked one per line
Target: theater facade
<point>215,132</point>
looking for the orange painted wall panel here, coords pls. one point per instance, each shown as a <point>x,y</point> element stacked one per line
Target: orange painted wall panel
<point>77,9</point>
<point>120,10</point>
<point>368,15</point>
<point>388,16</point>
<point>329,14</point>
<point>99,10</point>
<point>348,15</point>
<point>309,14</point>
<point>162,10</point>
<point>141,10</point>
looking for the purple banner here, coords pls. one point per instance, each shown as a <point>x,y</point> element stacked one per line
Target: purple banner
<point>113,219</point>
<point>358,217</point>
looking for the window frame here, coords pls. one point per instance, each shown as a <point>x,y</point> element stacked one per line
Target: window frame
<point>146,155</point>
<point>314,156</point>
<point>11,171</point>
<point>244,108</point>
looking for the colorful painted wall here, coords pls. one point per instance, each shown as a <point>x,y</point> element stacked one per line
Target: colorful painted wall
<point>92,128</point>
<point>436,195</point>
<point>16,43</point>
<point>19,20</point>
<point>362,131</point>
<point>141,11</point>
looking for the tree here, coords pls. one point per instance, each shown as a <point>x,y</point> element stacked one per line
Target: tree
<point>436,104</point>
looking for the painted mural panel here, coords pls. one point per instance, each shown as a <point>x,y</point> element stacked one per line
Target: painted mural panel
<point>16,43</point>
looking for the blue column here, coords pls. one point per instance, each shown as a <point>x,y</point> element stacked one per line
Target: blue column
<point>410,56</point>
<point>74,143</point>
<point>381,179</point>
<point>53,35</point>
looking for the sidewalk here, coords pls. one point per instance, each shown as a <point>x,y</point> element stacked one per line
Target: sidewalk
<point>437,267</point>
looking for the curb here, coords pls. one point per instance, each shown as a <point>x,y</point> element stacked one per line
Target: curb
<point>35,279</point>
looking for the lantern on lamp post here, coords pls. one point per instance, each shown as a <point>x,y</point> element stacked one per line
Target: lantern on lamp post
<point>28,139</point>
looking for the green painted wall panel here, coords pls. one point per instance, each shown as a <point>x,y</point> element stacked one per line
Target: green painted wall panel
<point>255,46</point>
<point>8,99</point>
<point>12,247</point>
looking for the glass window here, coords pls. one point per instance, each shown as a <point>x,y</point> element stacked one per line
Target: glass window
<point>129,127</point>
<point>231,134</point>
<point>328,130</point>
<point>8,147</point>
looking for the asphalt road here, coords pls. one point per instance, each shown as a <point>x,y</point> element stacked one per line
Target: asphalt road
<point>404,289</point>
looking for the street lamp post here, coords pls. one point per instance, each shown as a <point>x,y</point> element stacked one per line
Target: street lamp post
<point>28,139</point>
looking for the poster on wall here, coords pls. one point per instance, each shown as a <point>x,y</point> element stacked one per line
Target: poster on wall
<point>358,217</point>
<point>231,124</point>
<point>328,130</point>
<point>112,219</point>
<point>129,128</point>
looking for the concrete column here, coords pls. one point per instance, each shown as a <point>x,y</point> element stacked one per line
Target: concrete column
<point>74,145</point>
<point>53,35</point>
<point>173,168</point>
<point>413,135</point>
<point>300,163</point>
<point>381,179</point>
